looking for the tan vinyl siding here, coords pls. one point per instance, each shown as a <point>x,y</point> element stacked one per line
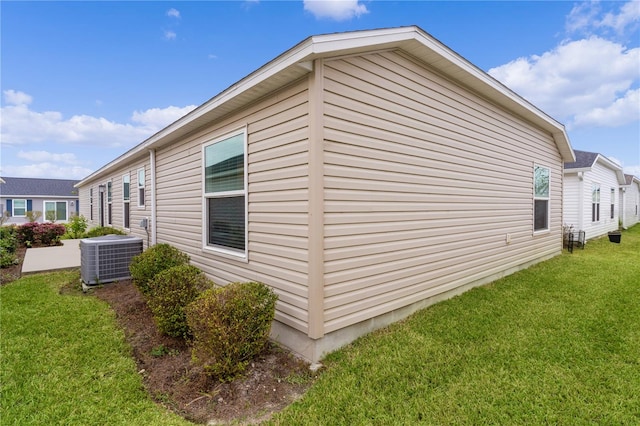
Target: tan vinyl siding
<point>277,199</point>
<point>136,214</point>
<point>423,180</point>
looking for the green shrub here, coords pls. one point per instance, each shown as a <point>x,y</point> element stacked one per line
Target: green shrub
<point>8,245</point>
<point>154,260</point>
<point>230,326</point>
<point>170,291</point>
<point>76,227</point>
<point>99,231</point>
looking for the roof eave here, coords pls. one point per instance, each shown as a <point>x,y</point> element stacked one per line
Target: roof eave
<point>294,63</point>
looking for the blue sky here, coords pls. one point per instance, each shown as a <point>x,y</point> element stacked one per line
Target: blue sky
<point>82,82</point>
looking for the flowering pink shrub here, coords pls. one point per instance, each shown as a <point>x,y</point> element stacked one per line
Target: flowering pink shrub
<point>47,233</point>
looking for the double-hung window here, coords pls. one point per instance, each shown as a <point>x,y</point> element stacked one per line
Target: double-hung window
<point>225,193</point>
<point>595,202</point>
<point>613,202</point>
<point>540,198</point>
<point>126,190</point>
<point>141,182</point>
<point>19,208</point>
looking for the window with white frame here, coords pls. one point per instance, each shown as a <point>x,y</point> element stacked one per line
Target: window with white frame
<point>225,193</point>
<point>613,202</point>
<point>540,198</point>
<point>55,210</point>
<point>595,202</point>
<point>109,203</point>
<point>141,184</point>
<point>126,198</point>
<point>19,208</point>
<point>90,203</point>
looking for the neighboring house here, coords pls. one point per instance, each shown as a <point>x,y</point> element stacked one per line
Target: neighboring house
<point>361,175</point>
<point>630,201</point>
<point>591,194</point>
<point>18,196</point>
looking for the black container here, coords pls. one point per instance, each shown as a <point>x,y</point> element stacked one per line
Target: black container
<point>615,237</point>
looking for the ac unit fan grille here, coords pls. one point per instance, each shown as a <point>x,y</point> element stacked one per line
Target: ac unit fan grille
<point>106,260</point>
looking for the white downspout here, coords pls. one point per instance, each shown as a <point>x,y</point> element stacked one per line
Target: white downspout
<point>581,201</point>
<point>152,166</point>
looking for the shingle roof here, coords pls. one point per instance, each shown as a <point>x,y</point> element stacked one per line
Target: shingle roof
<point>584,159</point>
<point>44,187</point>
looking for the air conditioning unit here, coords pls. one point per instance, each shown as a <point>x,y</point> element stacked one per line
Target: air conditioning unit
<point>106,259</point>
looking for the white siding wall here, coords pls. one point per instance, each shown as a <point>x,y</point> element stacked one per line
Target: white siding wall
<point>423,181</point>
<point>607,179</point>
<point>277,188</point>
<point>631,205</point>
<point>571,206</point>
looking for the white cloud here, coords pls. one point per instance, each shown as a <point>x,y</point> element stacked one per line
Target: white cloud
<point>47,170</point>
<point>173,13</point>
<point>632,170</point>
<point>44,156</point>
<point>22,126</point>
<point>158,118</point>
<point>339,10</point>
<point>13,97</point>
<point>588,17</point>
<point>622,111</point>
<point>47,164</point>
<point>582,82</point>
<point>170,35</point>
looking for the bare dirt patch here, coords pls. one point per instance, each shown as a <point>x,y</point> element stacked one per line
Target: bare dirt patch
<point>273,381</point>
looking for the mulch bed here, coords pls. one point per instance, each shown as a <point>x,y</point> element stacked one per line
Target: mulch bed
<point>272,382</point>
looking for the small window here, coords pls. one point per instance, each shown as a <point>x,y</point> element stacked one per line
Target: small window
<point>613,202</point>
<point>126,198</point>
<point>225,193</point>
<point>55,210</point>
<point>141,183</point>
<point>109,200</point>
<point>595,202</point>
<point>540,198</point>
<point>90,203</point>
<point>19,208</point>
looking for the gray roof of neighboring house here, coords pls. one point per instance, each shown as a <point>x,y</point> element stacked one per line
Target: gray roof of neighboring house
<point>13,186</point>
<point>630,178</point>
<point>584,159</point>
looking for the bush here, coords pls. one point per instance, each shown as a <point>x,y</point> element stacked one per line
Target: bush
<point>170,291</point>
<point>154,260</point>
<point>99,231</point>
<point>76,227</point>
<point>230,326</point>
<point>47,234</point>
<point>33,216</point>
<point>26,233</point>
<point>8,245</point>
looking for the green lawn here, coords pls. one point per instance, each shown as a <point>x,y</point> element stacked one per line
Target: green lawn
<point>64,361</point>
<point>558,343</point>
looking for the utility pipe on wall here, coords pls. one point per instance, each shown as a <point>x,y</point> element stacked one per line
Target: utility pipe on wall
<point>152,166</point>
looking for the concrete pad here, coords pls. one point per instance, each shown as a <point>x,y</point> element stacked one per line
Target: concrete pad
<point>44,259</point>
